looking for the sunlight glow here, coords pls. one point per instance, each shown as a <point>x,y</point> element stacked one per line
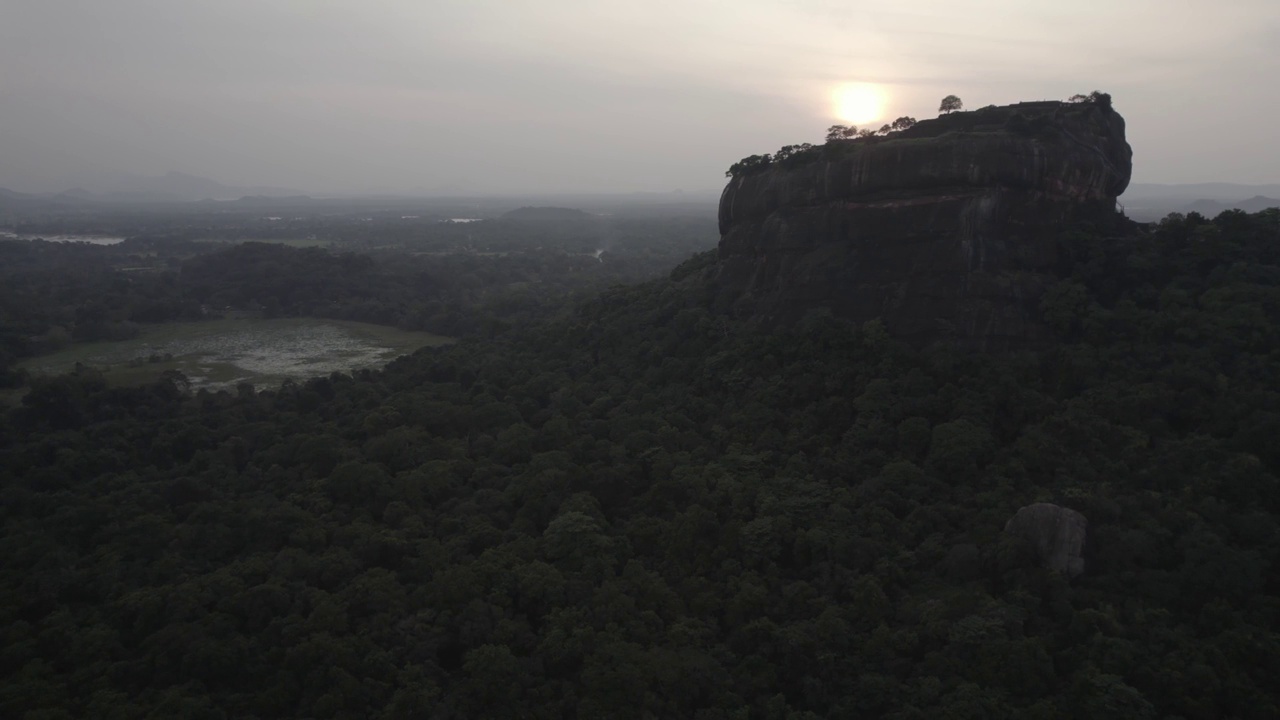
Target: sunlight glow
<point>859,103</point>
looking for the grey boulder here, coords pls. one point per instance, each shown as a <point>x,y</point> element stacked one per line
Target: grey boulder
<point>1056,534</point>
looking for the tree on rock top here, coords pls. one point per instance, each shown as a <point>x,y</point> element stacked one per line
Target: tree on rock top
<point>950,104</point>
<point>841,132</point>
<point>1097,97</point>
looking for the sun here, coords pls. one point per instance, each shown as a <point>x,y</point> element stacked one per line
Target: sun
<point>859,103</point>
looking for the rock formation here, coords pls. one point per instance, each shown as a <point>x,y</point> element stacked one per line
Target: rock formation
<point>1057,535</point>
<point>946,229</point>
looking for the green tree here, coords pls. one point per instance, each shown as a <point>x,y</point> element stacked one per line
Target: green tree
<point>749,164</point>
<point>841,132</point>
<point>950,104</point>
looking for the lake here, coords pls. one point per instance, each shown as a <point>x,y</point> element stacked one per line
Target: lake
<point>91,239</point>
<point>223,353</point>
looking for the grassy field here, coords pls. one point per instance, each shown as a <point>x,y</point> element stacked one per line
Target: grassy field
<point>222,353</point>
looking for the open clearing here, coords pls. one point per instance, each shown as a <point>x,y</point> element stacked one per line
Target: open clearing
<point>223,353</point>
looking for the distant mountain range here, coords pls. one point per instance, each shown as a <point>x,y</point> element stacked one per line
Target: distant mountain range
<point>1200,191</point>
<point>1142,201</point>
<point>170,187</point>
<point>1256,203</point>
<point>1151,201</point>
<point>180,187</point>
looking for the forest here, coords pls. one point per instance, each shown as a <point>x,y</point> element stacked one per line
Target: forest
<point>478,278</point>
<point>632,505</point>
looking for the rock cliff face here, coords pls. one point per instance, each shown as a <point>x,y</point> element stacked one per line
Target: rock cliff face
<point>945,230</point>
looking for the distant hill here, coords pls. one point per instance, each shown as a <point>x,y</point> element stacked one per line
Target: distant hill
<point>272,200</point>
<point>1147,202</point>
<point>1210,208</point>
<point>546,214</point>
<point>176,187</point>
<point>20,202</point>
<point>1198,191</point>
<point>170,187</point>
<point>1258,204</point>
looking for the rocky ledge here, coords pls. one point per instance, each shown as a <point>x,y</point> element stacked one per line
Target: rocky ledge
<point>950,229</point>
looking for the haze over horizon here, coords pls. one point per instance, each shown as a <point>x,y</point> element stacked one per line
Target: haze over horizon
<point>572,96</point>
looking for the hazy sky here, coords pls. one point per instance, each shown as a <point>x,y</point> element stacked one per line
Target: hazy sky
<point>573,95</point>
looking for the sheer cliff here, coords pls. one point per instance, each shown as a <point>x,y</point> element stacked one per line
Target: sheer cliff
<point>949,229</point>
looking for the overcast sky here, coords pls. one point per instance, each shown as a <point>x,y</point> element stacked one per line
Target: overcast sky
<point>594,95</point>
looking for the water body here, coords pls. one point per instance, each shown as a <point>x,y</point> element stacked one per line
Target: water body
<point>91,239</point>
<point>222,353</point>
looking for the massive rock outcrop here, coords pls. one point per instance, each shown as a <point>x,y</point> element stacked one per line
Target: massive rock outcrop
<point>946,230</point>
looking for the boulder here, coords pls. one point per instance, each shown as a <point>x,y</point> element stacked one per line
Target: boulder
<point>1056,534</point>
